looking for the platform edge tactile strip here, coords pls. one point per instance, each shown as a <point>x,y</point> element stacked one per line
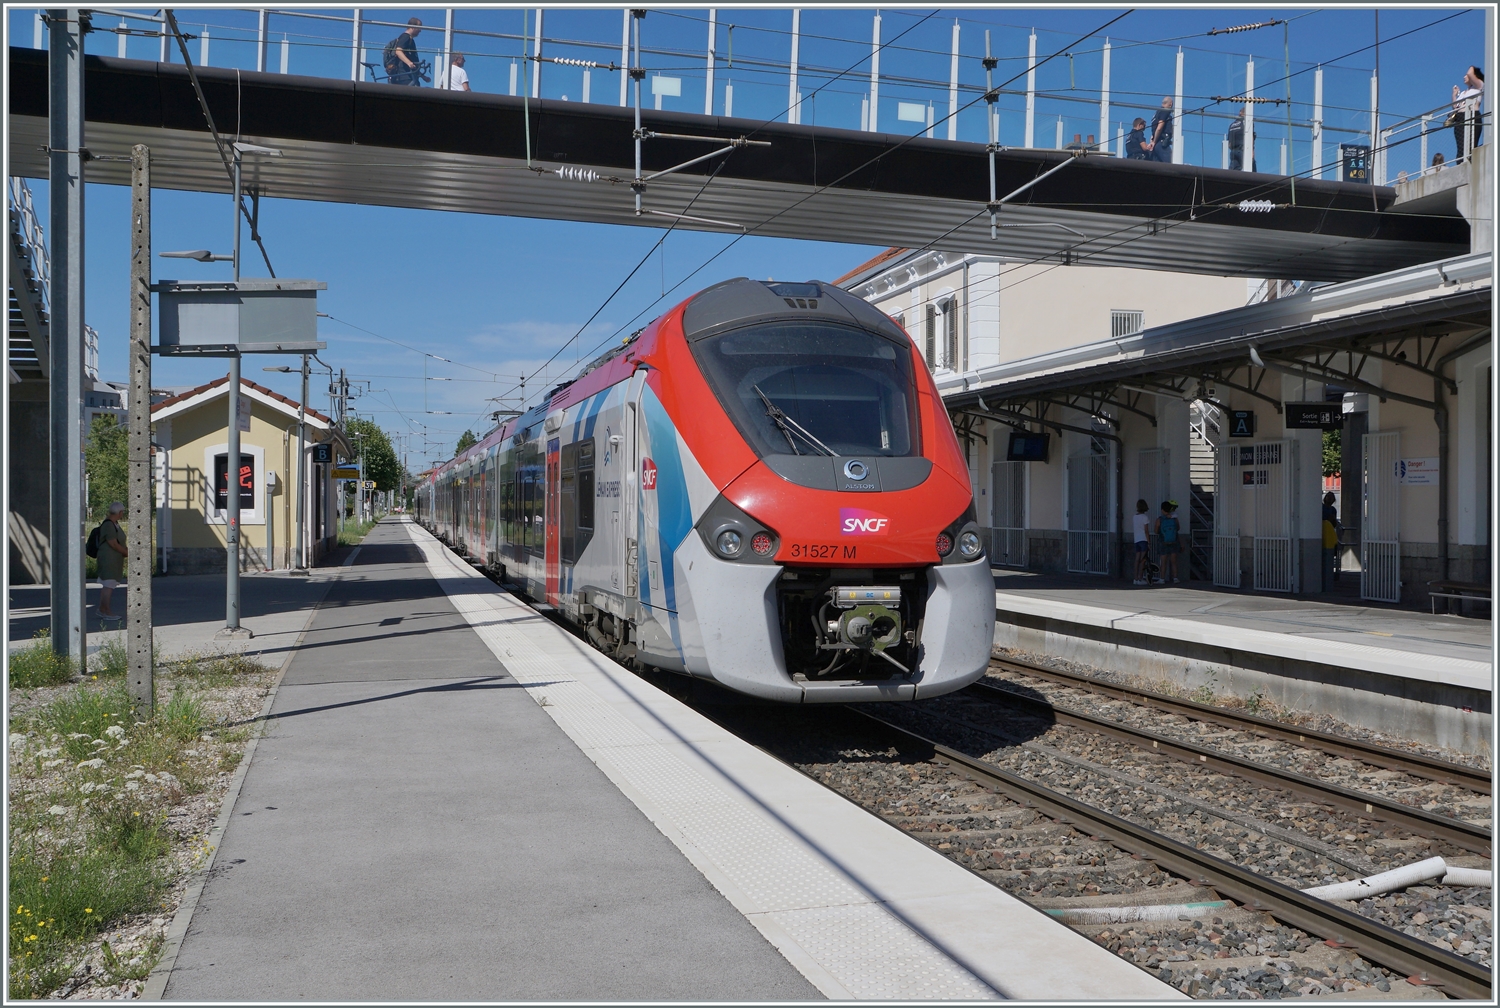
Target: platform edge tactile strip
<point>868,952</point>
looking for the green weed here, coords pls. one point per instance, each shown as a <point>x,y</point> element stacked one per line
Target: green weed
<point>181,717</point>
<point>82,716</point>
<point>59,901</point>
<point>36,664</point>
<point>353,532</point>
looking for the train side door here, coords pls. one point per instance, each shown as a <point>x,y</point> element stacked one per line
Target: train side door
<point>630,465</point>
<point>553,515</point>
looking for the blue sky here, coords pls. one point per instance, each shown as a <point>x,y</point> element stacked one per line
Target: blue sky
<point>498,296</point>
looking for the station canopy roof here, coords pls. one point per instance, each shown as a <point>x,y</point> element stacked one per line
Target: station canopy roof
<point>1323,334</point>
<point>415,147</point>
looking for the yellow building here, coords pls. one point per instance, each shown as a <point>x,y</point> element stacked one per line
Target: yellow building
<point>191,479</point>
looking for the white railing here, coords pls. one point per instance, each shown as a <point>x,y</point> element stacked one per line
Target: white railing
<point>29,229</point>
<point>300,41</point>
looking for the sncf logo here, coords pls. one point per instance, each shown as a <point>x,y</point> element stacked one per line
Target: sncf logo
<point>648,474</point>
<point>858,521</point>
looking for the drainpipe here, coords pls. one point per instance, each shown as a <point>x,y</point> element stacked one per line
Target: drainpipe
<point>1440,417</point>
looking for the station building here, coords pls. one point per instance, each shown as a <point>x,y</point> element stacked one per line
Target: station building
<point>1077,391</point>
<point>191,430</point>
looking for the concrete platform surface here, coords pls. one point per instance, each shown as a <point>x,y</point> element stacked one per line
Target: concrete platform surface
<point>188,610</point>
<point>415,827</point>
<point>861,909</point>
<point>1447,649</point>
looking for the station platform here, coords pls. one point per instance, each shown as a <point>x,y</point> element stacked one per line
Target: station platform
<point>1426,676</point>
<point>456,799</point>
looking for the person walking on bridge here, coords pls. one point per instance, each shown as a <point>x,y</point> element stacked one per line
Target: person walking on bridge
<point>1465,115</point>
<point>1161,132</point>
<point>456,78</point>
<point>401,56</point>
<point>1136,146</point>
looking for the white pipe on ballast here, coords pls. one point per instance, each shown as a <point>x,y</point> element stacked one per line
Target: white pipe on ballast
<point>1129,914</point>
<point>1376,885</point>
<point>1400,878</point>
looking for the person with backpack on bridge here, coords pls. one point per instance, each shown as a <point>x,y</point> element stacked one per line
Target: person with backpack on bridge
<point>401,56</point>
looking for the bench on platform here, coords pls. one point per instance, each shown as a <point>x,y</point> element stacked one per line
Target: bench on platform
<point>1469,591</point>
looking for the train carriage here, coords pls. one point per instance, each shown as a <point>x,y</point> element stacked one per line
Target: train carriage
<point>761,488</point>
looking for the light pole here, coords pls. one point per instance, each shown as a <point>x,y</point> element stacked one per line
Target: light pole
<point>232,474</point>
<point>302,488</point>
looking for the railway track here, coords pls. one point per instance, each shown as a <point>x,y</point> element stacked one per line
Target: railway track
<point>1241,933</point>
<point>1413,764</point>
<point>1420,822</point>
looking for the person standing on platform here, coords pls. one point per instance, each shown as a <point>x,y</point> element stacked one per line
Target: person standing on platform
<point>1136,146</point>
<point>111,559</point>
<point>457,78</point>
<point>1331,531</point>
<point>1168,535</point>
<point>401,56</point>
<point>1161,132</point>
<point>1140,523</point>
<point>1465,115</point>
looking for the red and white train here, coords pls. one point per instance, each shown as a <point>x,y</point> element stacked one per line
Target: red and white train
<point>761,488</point>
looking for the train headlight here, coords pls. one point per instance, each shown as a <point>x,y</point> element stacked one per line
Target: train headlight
<point>969,545</point>
<point>729,543</point>
<point>762,544</point>
<point>944,544</point>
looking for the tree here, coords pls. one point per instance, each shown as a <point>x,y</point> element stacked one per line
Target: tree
<point>106,461</point>
<point>466,440</point>
<point>373,447</point>
<point>1333,453</point>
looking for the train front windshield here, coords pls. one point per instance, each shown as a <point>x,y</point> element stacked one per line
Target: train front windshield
<point>815,389</point>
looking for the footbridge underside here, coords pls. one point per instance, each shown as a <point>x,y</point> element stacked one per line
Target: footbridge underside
<point>407,147</point>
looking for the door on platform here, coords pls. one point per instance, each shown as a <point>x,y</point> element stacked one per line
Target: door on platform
<point>1008,514</point>
<point>1380,519</point>
<point>1088,508</point>
<point>1271,485</point>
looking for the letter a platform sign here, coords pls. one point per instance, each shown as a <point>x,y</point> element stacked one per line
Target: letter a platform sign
<point>1242,423</point>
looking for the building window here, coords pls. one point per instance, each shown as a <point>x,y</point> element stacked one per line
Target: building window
<point>1123,322</point>
<point>952,357</point>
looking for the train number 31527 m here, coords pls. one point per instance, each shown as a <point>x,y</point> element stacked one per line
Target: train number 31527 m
<point>822,551</point>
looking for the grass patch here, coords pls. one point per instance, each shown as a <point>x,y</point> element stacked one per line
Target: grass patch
<point>37,664</point>
<point>60,900</point>
<point>94,837</point>
<point>353,532</point>
<point>82,718</point>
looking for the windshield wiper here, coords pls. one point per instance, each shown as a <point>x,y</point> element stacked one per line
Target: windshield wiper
<point>788,426</point>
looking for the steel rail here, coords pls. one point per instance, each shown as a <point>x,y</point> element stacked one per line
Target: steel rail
<point>1419,821</point>
<point>1420,961</point>
<point>1417,765</point>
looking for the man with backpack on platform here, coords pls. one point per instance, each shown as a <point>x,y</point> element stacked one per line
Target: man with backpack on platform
<point>400,56</point>
<point>107,545</point>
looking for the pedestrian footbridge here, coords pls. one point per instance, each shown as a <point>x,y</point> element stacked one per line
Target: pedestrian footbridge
<point>355,142</point>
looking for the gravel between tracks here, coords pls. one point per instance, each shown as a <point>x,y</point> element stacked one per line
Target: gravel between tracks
<point>1262,708</point>
<point>1235,953</point>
